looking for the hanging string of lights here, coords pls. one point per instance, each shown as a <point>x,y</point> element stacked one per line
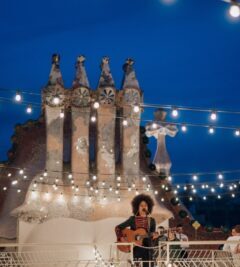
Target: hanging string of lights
<point>119,184</point>
<point>183,125</point>
<point>194,175</point>
<point>115,193</point>
<point>234,9</point>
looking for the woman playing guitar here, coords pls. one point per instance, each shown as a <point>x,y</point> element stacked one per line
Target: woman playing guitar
<point>142,206</point>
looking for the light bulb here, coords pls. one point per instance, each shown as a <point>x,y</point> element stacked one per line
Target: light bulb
<point>184,128</point>
<point>4,188</point>
<point>162,199</point>
<point>129,189</point>
<point>154,125</point>
<point>21,171</point>
<point>169,178</point>
<point>62,114</point>
<point>18,96</point>
<point>19,190</point>
<point>9,174</point>
<point>103,183</point>
<point>204,198</point>
<point>234,11</point>
<point>156,192</point>
<point>93,118</point>
<point>233,195</point>
<point>211,130</point>
<point>70,176</point>
<point>195,178</point>
<point>119,199</point>
<point>14,182</point>
<point>29,109</point>
<point>219,197</point>
<point>87,183</point>
<point>94,177</point>
<point>174,112</point>
<point>144,179</point>
<point>136,109</point>
<point>96,105</point>
<point>220,176</point>
<point>119,178</point>
<point>56,100</point>
<point>212,190</point>
<point>213,116</point>
<point>125,122</point>
<point>190,198</point>
<point>45,173</point>
<point>237,132</point>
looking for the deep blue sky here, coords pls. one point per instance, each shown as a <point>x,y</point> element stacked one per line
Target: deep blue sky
<point>186,54</point>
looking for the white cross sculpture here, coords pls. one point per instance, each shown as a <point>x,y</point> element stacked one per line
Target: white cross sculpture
<point>159,129</point>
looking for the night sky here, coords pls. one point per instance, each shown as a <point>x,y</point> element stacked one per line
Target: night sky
<point>186,53</point>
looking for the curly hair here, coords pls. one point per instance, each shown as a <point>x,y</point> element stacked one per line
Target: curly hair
<point>138,199</point>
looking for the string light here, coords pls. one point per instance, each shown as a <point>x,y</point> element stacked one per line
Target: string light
<point>204,198</point>
<point>144,179</point>
<point>234,10</point>
<point>21,171</point>
<point>154,125</point>
<point>195,177</point>
<point>175,112</point>
<point>18,97</point>
<point>62,114</point>
<point>70,176</point>
<point>125,122</point>
<point>45,173</point>
<point>56,100</point>
<point>211,130</point>
<point>184,128</point>
<point>169,178</point>
<point>119,178</point>
<point>221,185</point>
<point>237,132</point>
<point>29,109</point>
<point>136,108</point>
<point>219,197</point>
<point>93,118</point>
<point>94,177</point>
<point>19,190</point>
<point>213,116</point>
<point>4,188</point>
<point>220,176</point>
<point>14,182</point>
<point>96,105</point>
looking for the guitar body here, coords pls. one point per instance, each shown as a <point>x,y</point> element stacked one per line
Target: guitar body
<point>131,236</point>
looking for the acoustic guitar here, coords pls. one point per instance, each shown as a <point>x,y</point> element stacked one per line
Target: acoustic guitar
<point>131,236</point>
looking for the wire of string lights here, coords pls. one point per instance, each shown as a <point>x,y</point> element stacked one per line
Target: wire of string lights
<point>183,125</point>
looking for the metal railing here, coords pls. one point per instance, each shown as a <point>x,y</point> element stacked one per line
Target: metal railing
<point>166,254</point>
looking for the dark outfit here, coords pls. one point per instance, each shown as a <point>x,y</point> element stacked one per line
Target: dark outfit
<point>134,223</point>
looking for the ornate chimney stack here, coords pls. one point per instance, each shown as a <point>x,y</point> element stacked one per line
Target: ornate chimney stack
<point>53,96</point>
<point>132,98</point>
<point>106,116</point>
<point>80,107</point>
